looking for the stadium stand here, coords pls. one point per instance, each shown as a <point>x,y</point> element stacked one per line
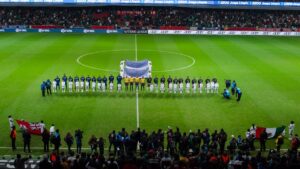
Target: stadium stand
<point>139,149</point>
<point>134,18</point>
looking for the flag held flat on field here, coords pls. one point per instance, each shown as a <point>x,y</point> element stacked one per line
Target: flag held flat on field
<point>272,132</point>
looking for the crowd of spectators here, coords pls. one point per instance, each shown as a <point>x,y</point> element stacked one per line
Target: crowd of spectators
<point>193,149</point>
<point>147,17</point>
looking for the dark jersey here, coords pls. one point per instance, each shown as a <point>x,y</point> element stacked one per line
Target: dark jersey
<point>70,79</point>
<point>187,80</point>
<point>57,79</point>
<point>65,78</point>
<point>169,80</point>
<point>99,79</point>
<point>76,79</point>
<point>94,79</point>
<point>82,79</point>
<point>175,81</point>
<point>119,79</point>
<point>149,80</point>
<point>200,81</point>
<point>162,80</point>
<point>104,79</point>
<point>194,81</point>
<point>155,80</point>
<point>180,80</point>
<point>207,81</point>
<point>111,79</point>
<point>88,79</point>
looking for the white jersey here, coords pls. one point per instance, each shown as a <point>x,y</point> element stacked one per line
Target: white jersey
<point>87,84</point>
<point>11,122</point>
<point>175,87</point>
<point>53,84</point>
<point>111,86</point>
<point>212,84</point>
<point>162,87</point>
<point>70,84</point>
<point>170,86</point>
<point>63,84</point>
<point>291,128</point>
<point>151,87</point>
<point>99,86</point>
<point>52,130</point>
<point>119,87</point>
<point>42,125</point>
<point>208,86</point>
<point>188,85</point>
<point>93,85</point>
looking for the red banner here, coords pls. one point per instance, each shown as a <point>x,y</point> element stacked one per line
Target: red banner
<point>33,128</point>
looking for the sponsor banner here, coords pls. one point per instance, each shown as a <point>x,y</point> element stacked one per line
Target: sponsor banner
<point>161,2</point>
<point>136,31</point>
<point>32,128</point>
<point>209,32</point>
<point>75,30</point>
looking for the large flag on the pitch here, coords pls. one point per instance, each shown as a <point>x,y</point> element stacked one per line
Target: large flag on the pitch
<point>33,128</point>
<point>272,132</point>
<point>136,69</point>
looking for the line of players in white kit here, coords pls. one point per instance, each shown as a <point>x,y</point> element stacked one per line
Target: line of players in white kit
<point>102,84</point>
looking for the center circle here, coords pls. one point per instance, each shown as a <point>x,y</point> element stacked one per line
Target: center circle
<point>169,60</point>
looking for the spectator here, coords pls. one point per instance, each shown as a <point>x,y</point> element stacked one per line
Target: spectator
<point>46,139</point>
<point>69,141</point>
<point>19,163</point>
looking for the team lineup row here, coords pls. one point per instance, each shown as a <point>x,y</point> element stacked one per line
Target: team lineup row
<point>102,84</point>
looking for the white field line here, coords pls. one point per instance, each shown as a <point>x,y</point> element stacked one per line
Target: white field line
<point>137,91</point>
<point>78,60</point>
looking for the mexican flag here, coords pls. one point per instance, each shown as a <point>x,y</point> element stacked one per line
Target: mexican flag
<point>272,132</point>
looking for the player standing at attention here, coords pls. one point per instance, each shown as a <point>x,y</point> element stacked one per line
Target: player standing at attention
<point>119,83</point>
<point>131,81</point>
<point>76,80</point>
<point>180,85</point>
<point>88,83</point>
<point>65,79</point>
<point>238,94</point>
<point>149,81</point>
<point>57,79</point>
<point>216,86</point>
<point>136,82</point>
<point>233,87</point>
<point>104,83</point>
<point>162,84</point>
<point>142,84</point>
<point>170,85</point>
<point>70,84</point>
<point>175,85</point>
<point>208,87</point>
<point>99,81</point>
<point>194,85</point>
<point>291,129</point>
<point>94,80</point>
<point>126,81</point>
<point>111,82</point>
<point>54,86</point>
<point>212,86</point>
<point>48,87</point>
<point>82,83</point>
<point>187,85</point>
<point>63,85</point>
<point>227,83</point>
<point>155,80</point>
<point>200,84</point>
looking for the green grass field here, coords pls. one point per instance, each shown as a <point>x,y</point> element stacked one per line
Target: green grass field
<point>267,69</point>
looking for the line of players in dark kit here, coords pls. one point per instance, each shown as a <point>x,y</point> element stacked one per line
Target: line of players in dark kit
<point>174,85</point>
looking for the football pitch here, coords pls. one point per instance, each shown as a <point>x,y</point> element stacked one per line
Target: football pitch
<point>267,69</point>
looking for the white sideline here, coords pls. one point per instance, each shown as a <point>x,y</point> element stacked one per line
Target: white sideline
<point>137,91</point>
